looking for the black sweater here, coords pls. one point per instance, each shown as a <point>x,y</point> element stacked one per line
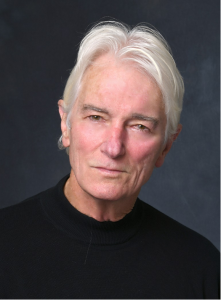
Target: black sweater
<point>50,250</point>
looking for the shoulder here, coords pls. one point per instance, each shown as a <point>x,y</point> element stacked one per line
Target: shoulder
<point>30,209</point>
<point>177,238</point>
<point>29,218</point>
<point>21,216</point>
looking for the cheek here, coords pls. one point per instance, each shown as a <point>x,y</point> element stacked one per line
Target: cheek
<point>83,138</point>
<point>144,159</point>
<point>145,154</point>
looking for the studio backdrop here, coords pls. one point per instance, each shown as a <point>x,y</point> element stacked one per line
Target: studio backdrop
<point>39,40</point>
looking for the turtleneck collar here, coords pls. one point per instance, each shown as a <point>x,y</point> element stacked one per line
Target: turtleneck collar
<point>84,228</point>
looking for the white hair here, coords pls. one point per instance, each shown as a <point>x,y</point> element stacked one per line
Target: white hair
<point>143,46</point>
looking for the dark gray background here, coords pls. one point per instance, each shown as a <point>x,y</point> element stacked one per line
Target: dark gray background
<point>38,46</point>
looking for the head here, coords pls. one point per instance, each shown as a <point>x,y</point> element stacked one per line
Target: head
<point>120,111</point>
<point>142,46</point>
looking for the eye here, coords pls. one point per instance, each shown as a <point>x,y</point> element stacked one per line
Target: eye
<point>95,118</point>
<point>141,127</point>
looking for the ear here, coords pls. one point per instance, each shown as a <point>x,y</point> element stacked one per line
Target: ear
<point>64,127</point>
<point>167,147</point>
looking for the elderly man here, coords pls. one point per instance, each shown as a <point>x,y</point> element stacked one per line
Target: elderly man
<point>90,236</point>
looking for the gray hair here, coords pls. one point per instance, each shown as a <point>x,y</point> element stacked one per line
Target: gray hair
<point>143,46</point>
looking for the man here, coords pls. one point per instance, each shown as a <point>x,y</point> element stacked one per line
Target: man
<point>89,236</point>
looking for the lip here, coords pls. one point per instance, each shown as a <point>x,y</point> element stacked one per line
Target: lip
<point>109,171</point>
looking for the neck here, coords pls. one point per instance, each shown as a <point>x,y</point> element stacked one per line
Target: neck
<point>99,209</point>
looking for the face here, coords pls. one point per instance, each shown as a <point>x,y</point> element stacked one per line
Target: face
<point>117,131</point>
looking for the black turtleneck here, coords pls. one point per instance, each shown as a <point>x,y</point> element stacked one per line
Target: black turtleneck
<point>84,228</point>
<point>48,249</point>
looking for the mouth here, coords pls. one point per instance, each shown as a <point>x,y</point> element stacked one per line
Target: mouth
<point>109,171</point>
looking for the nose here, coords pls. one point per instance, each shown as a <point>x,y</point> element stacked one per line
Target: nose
<point>113,145</point>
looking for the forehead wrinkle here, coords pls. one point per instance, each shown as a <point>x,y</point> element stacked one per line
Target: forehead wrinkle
<point>93,88</point>
<point>105,63</point>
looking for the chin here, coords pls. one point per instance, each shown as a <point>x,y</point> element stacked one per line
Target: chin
<point>106,193</point>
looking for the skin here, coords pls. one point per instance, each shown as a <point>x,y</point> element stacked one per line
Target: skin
<point>116,138</point>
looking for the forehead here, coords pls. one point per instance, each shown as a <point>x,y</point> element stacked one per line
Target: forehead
<point>119,84</point>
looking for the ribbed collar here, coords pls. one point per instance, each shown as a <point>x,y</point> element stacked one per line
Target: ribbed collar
<point>84,228</point>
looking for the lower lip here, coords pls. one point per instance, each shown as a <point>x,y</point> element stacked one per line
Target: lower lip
<point>110,172</point>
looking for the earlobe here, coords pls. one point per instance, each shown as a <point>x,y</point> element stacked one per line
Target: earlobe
<point>167,147</point>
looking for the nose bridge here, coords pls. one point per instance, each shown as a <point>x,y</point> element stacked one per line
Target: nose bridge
<point>116,133</point>
<point>114,141</point>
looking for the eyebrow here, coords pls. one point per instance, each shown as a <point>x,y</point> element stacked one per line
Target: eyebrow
<point>145,118</point>
<point>92,107</point>
<point>134,116</point>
